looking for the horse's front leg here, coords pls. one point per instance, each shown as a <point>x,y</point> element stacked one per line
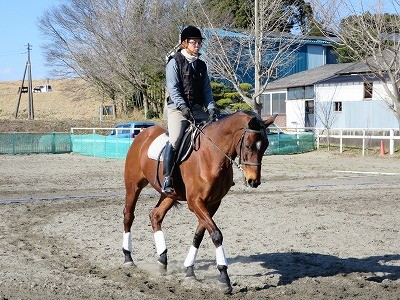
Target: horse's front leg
<point>156,217</point>
<point>205,214</point>
<point>194,248</point>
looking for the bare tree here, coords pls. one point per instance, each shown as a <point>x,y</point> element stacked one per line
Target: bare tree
<point>371,35</point>
<point>261,53</point>
<point>118,45</point>
<point>325,111</point>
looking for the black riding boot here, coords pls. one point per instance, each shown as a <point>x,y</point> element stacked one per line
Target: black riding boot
<point>168,162</point>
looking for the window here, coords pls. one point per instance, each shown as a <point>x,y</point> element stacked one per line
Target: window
<point>368,90</point>
<point>309,92</point>
<point>273,103</point>
<point>295,93</point>
<point>279,103</point>
<point>304,92</point>
<point>337,106</point>
<point>266,104</point>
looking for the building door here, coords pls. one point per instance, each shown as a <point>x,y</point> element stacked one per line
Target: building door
<point>309,113</point>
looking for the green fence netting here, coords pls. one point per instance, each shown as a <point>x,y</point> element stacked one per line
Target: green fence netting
<point>25,143</point>
<point>113,147</point>
<point>290,143</point>
<point>100,145</point>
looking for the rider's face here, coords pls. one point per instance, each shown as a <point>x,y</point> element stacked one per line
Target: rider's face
<point>194,45</point>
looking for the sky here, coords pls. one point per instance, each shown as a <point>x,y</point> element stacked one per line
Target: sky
<point>19,26</point>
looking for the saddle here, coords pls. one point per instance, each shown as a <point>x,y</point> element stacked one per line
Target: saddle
<point>188,144</point>
<point>156,148</point>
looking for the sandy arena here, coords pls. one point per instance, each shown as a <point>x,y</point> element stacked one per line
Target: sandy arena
<point>321,226</point>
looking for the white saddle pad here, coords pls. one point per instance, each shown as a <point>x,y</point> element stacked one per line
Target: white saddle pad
<point>156,146</point>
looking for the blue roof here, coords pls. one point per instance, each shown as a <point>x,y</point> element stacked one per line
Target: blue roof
<point>234,34</point>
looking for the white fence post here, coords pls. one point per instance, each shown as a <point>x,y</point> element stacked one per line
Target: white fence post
<point>391,142</point>
<point>363,143</point>
<point>352,135</point>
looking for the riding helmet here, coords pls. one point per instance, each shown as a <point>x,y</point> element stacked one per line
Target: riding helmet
<point>191,32</point>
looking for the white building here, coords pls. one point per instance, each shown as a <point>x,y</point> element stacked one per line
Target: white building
<point>335,96</point>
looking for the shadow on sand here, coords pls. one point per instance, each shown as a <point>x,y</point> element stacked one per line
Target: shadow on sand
<point>295,265</point>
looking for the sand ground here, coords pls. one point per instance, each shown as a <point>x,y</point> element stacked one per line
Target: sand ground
<point>321,226</point>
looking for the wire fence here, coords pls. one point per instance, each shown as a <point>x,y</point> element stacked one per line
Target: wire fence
<point>290,143</point>
<point>27,143</point>
<point>99,144</point>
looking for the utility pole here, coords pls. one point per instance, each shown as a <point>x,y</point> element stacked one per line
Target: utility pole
<point>257,56</point>
<point>27,89</point>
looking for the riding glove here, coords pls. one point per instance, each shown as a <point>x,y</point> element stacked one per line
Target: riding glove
<point>212,114</point>
<point>186,112</point>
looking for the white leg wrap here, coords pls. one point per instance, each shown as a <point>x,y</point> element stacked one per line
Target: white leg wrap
<point>159,238</point>
<point>191,257</point>
<point>127,241</point>
<point>220,255</point>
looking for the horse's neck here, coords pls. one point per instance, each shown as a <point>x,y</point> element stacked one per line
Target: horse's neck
<point>225,138</point>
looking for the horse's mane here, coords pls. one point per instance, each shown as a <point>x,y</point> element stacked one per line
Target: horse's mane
<point>256,124</point>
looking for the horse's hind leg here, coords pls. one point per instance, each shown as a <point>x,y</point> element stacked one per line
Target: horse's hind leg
<point>156,217</point>
<point>131,197</point>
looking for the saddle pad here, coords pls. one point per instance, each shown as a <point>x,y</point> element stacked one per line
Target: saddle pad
<point>156,147</point>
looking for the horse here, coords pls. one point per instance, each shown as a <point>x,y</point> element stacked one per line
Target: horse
<point>202,180</point>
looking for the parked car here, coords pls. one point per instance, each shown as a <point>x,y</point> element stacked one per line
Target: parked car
<point>271,129</point>
<point>129,129</point>
<point>274,129</point>
<point>42,88</point>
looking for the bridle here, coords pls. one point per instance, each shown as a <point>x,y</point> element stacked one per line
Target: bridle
<point>232,161</point>
<point>248,130</point>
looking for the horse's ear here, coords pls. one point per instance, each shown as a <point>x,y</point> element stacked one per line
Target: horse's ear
<point>255,123</point>
<point>270,120</point>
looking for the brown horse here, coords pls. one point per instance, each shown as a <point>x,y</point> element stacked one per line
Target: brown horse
<point>202,180</point>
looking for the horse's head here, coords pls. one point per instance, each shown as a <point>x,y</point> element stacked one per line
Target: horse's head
<point>251,148</point>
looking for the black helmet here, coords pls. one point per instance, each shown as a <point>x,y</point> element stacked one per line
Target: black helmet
<point>191,32</point>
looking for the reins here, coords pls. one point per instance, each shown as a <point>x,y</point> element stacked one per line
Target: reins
<point>232,161</point>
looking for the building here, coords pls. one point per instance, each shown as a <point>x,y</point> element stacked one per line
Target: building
<point>334,96</point>
<point>305,53</point>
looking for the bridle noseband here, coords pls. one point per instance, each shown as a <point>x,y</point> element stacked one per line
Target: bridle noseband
<point>248,130</point>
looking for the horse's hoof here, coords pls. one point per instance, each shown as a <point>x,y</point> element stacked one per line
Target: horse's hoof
<point>128,258</point>
<point>224,281</point>
<point>129,264</point>
<point>190,273</point>
<point>225,287</point>
<point>161,268</point>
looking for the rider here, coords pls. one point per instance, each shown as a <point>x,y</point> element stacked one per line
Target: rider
<point>190,96</point>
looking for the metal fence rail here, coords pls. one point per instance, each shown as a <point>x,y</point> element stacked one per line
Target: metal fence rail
<point>97,142</point>
<point>365,135</point>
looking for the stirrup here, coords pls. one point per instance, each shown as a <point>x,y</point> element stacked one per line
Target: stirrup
<point>167,186</point>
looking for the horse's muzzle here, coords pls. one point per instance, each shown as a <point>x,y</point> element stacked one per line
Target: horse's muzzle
<point>253,183</point>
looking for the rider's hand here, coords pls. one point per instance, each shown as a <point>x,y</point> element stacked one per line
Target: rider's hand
<point>186,112</point>
<point>213,112</point>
